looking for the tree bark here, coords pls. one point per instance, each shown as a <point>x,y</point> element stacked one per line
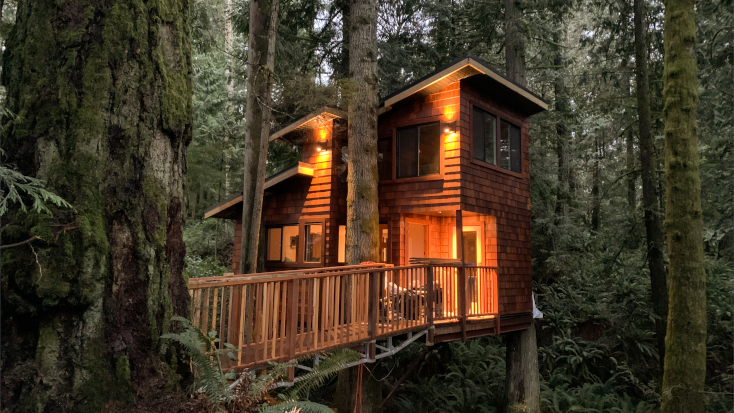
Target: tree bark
<point>685,356</point>
<point>363,220</point>
<point>259,79</point>
<point>228,42</point>
<point>653,226</point>
<point>523,381</point>
<point>105,93</point>
<point>632,177</point>
<point>514,43</point>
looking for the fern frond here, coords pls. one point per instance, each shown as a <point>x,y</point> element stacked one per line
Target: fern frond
<point>325,371</point>
<point>298,406</point>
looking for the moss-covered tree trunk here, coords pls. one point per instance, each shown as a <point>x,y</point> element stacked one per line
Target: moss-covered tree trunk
<point>653,224</point>
<point>522,376</point>
<point>257,119</point>
<point>362,214</point>
<point>685,342</point>
<point>363,220</point>
<point>103,93</point>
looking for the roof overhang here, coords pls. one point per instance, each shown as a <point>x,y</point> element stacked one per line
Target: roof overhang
<point>229,208</point>
<point>461,69</point>
<point>311,121</point>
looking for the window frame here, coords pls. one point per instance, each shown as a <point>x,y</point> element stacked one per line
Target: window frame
<point>302,242</point>
<point>500,116</point>
<point>441,153</point>
<point>280,261</point>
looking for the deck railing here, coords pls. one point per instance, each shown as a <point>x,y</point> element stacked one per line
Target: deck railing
<point>284,315</point>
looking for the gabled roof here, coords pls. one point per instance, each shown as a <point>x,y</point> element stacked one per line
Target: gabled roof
<point>462,68</point>
<point>310,121</point>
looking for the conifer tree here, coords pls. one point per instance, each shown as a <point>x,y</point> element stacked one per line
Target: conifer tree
<point>685,342</point>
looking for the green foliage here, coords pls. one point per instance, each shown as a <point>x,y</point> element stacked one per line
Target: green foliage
<point>15,187</point>
<point>205,359</point>
<point>196,267</point>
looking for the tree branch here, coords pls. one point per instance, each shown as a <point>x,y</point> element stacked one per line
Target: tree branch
<point>17,244</point>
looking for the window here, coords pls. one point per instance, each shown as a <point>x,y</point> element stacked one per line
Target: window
<point>485,136</point>
<point>506,152</point>
<point>342,250</point>
<point>509,146</point>
<point>282,243</point>
<point>419,149</point>
<point>384,159</point>
<point>314,242</point>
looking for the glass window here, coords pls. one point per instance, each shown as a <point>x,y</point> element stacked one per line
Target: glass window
<point>419,150</point>
<point>342,252</point>
<point>290,243</point>
<point>384,159</point>
<point>510,146</point>
<point>282,243</point>
<point>485,136</point>
<point>314,242</point>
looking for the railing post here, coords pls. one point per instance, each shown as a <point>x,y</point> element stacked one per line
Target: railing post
<point>429,295</point>
<point>372,308</point>
<point>292,318</point>
<point>460,273</point>
<point>373,304</point>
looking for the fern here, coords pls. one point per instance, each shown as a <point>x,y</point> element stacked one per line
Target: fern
<point>296,406</point>
<point>321,374</point>
<point>205,360</point>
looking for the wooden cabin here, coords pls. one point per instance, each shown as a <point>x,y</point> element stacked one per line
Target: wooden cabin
<point>453,148</point>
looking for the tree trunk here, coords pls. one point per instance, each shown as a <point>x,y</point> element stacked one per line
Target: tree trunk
<point>347,384</point>
<point>523,382</point>
<point>653,226</point>
<point>228,42</point>
<point>341,68</point>
<point>363,220</point>
<point>514,43</point>
<point>632,176</point>
<point>685,356</point>
<point>259,81</point>
<point>561,108</point>
<point>596,201</point>
<point>105,93</point>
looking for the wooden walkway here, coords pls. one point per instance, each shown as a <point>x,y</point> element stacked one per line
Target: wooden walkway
<point>280,316</point>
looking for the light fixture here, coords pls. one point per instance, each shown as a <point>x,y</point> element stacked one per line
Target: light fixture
<point>321,146</point>
<point>450,127</point>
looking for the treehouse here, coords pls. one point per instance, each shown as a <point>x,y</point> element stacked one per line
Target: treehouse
<point>454,244</point>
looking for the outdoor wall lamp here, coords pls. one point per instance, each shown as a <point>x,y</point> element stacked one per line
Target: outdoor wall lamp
<point>321,147</point>
<point>450,127</point>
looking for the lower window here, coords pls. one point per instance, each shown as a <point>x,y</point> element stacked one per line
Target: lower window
<point>314,245</point>
<point>282,243</point>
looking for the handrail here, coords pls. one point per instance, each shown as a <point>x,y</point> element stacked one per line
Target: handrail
<point>300,271</point>
<point>280,315</point>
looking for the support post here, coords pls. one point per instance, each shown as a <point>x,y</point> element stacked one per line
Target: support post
<point>292,320</point>
<point>372,298</point>
<point>429,295</point>
<point>461,273</point>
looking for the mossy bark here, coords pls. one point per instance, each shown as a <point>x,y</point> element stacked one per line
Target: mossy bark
<point>103,96</point>
<point>363,220</point>
<point>685,342</point>
<point>653,224</point>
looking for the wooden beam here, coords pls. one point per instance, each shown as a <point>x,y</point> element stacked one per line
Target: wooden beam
<point>222,207</point>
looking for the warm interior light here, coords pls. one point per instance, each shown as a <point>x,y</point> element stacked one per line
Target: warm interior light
<point>318,149</point>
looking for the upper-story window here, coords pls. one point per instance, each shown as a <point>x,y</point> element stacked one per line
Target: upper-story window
<point>282,243</point>
<point>504,151</point>
<point>314,242</point>
<point>418,150</point>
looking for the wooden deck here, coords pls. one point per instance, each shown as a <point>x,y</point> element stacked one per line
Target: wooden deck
<point>280,316</point>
